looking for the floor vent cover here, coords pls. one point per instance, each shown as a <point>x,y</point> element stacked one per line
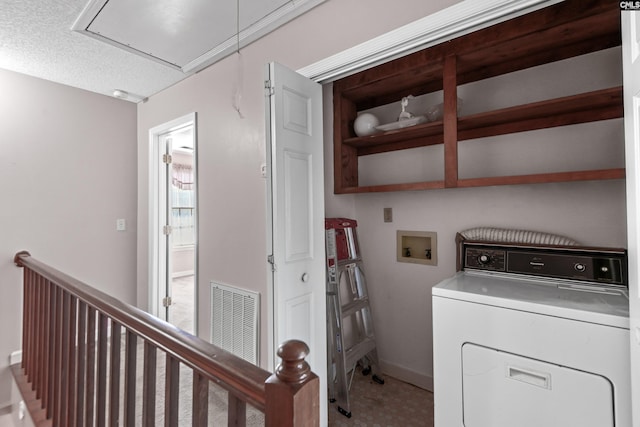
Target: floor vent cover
<point>234,320</point>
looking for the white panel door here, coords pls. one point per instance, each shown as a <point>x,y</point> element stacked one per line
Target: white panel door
<point>296,210</point>
<point>631,69</point>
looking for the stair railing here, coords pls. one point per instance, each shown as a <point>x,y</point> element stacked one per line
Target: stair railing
<point>80,361</point>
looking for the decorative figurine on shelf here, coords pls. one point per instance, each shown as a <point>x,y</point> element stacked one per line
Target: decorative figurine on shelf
<point>428,254</point>
<point>407,252</point>
<point>365,124</point>
<point>405,114</point>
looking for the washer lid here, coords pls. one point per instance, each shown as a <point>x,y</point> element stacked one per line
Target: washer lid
<point>551,297</point>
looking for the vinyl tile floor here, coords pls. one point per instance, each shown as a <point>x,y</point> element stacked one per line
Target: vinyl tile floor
<point>392,404</point>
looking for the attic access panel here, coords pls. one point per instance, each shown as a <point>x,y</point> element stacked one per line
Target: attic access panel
<point>185,35</point>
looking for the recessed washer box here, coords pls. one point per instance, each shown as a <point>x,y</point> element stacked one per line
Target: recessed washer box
<point>418,247</point>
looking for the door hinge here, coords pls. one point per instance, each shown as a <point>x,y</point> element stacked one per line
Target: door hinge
<point>166,230</point>
<point>166,158</point>
<point>166,301</point>
<point>271,260</point>
<point>268,88</point>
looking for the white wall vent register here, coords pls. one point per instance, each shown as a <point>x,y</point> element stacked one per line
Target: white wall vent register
<point>234,320</point>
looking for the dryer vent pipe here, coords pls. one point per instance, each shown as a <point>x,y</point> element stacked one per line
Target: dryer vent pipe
<point>506,235</point>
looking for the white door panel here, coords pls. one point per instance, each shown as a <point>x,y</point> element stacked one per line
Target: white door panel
<point>299,312</point>
<point>295,209</point>
<point>297,111</point>
<point>634,37</point>
<point>298,206</point>
<point>631,70</point>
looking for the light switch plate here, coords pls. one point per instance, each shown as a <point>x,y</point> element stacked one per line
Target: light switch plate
<point>121,224</point>
<point>388,214</point>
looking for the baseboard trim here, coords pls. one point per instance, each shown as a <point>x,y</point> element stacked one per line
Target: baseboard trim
<point>36,414</point>
<point>407,375</point>
<point>15,357</point>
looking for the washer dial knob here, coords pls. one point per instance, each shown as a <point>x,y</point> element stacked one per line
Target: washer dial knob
<point>484,259</point>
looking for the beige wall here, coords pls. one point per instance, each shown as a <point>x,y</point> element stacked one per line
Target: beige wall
<point>67,172</point>
<point>231,148</point>
<point>400,293</point>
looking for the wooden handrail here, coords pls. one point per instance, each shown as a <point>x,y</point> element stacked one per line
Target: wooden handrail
<point>54,318</point>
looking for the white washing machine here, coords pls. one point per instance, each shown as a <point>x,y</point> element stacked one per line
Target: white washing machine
<point>531,336</point>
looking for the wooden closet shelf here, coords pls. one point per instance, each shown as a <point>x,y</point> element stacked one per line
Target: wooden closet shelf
<point>586,107</point>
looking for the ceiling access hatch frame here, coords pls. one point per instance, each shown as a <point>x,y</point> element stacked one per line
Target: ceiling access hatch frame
<point>189,38</point>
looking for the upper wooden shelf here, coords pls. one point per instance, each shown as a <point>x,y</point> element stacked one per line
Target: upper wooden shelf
<point>558,32</point>
<point>565,30</point>
<point>400,139</point>
<point>586,107</point>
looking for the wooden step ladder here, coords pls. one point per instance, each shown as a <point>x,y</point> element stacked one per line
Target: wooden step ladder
<point>350,335</point>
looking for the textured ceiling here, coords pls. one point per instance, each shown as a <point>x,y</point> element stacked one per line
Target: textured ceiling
<point>36,39</point>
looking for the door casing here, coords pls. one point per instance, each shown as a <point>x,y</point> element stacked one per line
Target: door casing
<point>631,72</point>
<point>157,265</point>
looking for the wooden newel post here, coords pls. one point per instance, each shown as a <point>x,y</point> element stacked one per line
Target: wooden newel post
<point>293,391</point>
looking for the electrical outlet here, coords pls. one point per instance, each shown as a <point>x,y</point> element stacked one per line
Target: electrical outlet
<point>388,214</point>
<point>121,224</point>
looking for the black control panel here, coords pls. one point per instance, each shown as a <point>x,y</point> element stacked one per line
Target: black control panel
<point>598,265</point>
<point>486,258</point>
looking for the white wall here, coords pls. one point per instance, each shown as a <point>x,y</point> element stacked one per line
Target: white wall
<point>67,172</point>
<point>400,293</point>
<point>231,148</point>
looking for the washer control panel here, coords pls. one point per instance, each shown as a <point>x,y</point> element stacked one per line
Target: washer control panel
<point>598,265</point>
<point>485,258</point>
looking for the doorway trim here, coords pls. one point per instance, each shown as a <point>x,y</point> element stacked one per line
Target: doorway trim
<point>155,154</point>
